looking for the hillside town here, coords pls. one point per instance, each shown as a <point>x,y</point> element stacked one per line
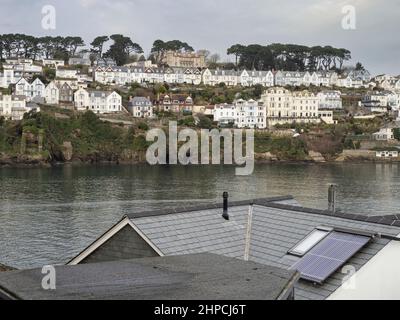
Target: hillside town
<point>72,87</point>
<point>187,86</point>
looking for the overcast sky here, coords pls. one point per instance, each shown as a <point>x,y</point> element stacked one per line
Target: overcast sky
<point>217,24</point>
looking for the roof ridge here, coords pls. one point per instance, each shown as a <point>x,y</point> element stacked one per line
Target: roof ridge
<point>388,220</point>
<point>214,205</point>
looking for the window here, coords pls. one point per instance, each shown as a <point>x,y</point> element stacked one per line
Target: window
<point>309,242</point>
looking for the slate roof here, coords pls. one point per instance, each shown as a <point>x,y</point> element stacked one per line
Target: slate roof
<point>193,277</point>
<point>139,101</point>
<point>219,72</point>
<point>98,93</point>
<point>278,224</point>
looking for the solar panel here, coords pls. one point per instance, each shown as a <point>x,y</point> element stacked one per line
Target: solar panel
<point>329,255</point>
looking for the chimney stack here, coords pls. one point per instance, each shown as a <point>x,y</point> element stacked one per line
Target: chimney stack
<point>225,214</point>
<point>332,198</point>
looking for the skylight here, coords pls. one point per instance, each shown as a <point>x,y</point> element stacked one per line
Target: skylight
<point>309,242</point>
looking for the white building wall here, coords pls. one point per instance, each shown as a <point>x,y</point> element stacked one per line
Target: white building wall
<point>378,279</point>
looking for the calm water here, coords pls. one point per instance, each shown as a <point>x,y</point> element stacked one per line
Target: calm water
<point>49,215</point>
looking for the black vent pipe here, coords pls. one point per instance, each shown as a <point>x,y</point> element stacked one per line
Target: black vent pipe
<point>225,213</point>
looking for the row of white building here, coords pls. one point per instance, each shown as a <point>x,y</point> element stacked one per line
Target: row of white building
<point>67,93</point>
<point>276,106</point>
<point>126,75</point>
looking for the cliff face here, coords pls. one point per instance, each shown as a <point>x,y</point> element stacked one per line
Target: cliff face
<point>43,139</point>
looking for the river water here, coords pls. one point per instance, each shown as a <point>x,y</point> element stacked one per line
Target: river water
<point>47,215</point>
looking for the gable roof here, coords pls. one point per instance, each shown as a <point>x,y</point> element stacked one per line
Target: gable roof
<point>277,225</point>
<point>194,277</point>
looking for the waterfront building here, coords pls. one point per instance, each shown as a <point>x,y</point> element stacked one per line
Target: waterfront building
<point>285,107</point>
<point>241,114</point>
<point>387,154</point>
<point>384,134</point>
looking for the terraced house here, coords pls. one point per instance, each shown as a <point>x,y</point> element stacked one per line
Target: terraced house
<point>216,77</point>
<point>251,78</point>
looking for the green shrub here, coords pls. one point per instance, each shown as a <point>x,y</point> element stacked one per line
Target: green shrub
<point>143,126</point>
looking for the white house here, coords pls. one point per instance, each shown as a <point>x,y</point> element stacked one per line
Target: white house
<point>251,78</point>
<point>387,154</point>
<point>98,101</point>
<point>53,63</point>
<point>140,107</point>
<point>241,114</point>
<point>379,99</point>
<point>216,77</point>
<point>32,90</point>
<point>250,114</point>
<point>13,106</point>
<point>26,66</point>
<point>52,93</point>
<point>292,78</point>
<point>330,99</point>
<point>9,76</point>
<point>324,78</point>
<point>225,114</point>
<point>384,134</point>
<point>67,73</point>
